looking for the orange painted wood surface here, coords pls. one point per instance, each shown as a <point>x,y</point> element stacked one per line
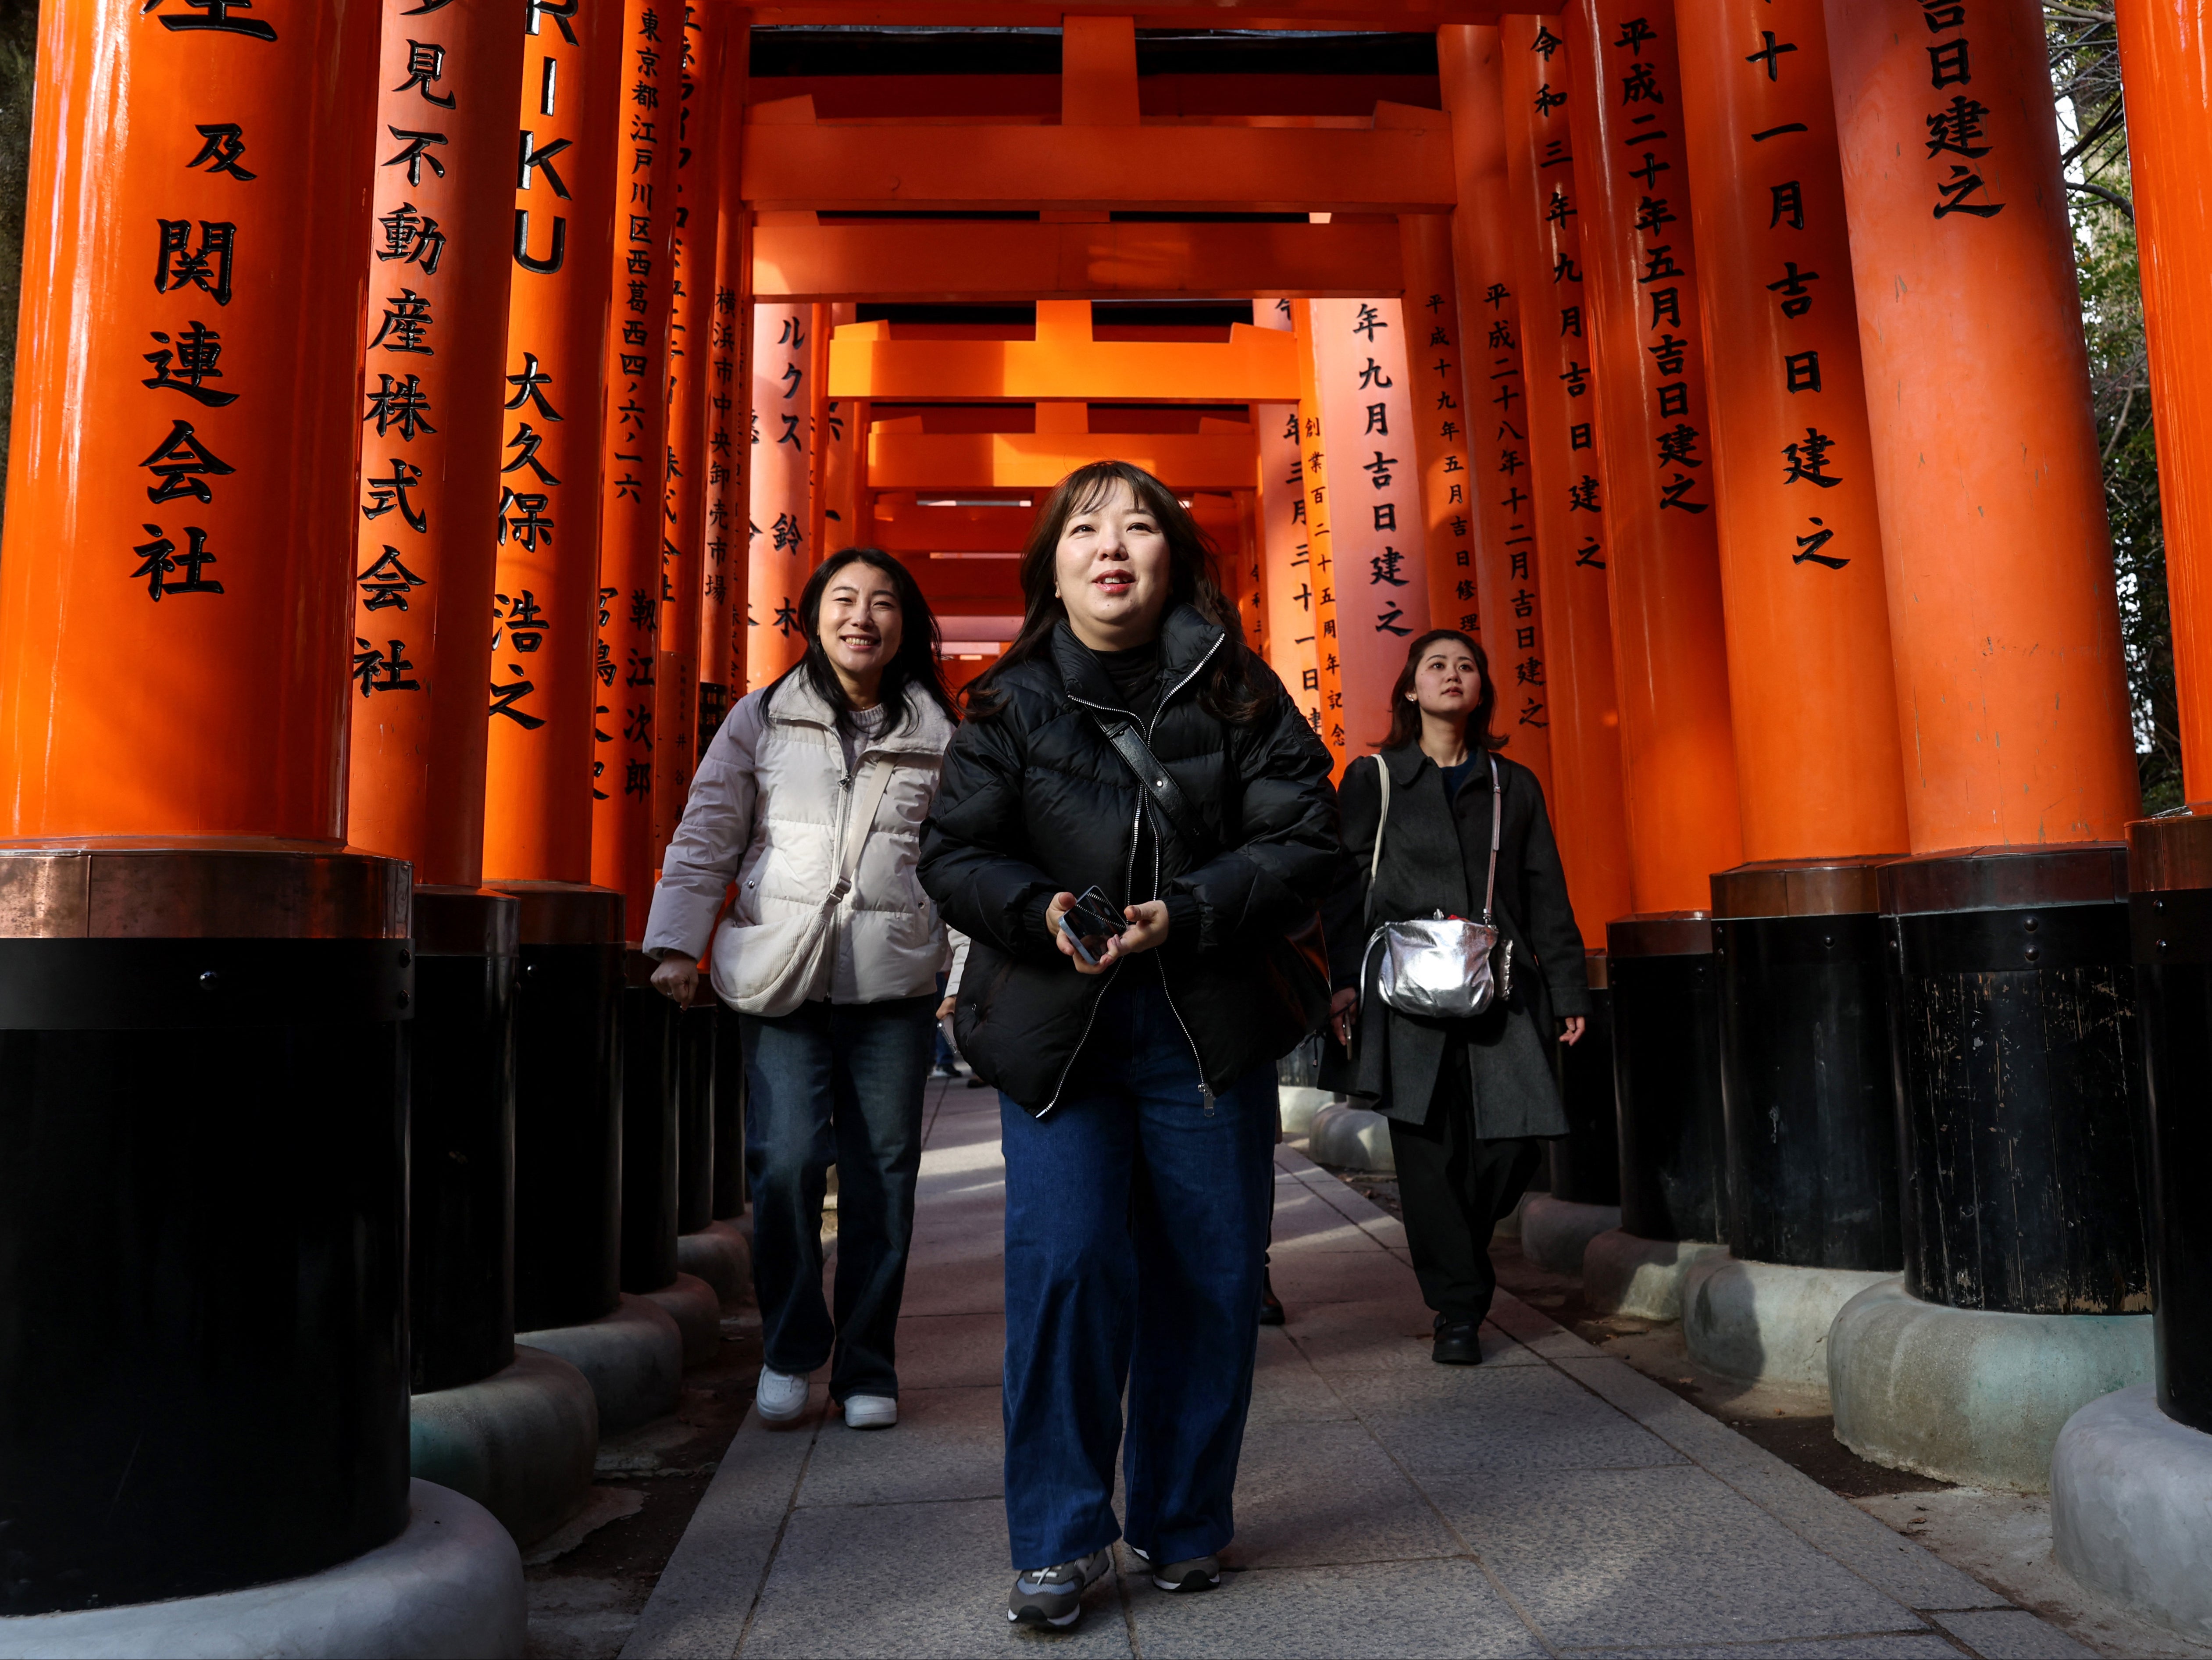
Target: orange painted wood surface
<point>1320,495</point>
<point>2166,56</point>
<point>783,549</point>
<point>544,682</point>
<point>1003,460</point>
<point>2010,682</point>
<point>1516,151</point>
<point>1064,362</point>
<point>176,596</point>
<point>1678,749</point>
<point>1248,169</point>
<point>723,580</point>
<point>440,263</point>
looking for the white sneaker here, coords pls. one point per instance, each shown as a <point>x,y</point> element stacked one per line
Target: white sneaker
<point>870,1412</point>
<point>779,1396</point>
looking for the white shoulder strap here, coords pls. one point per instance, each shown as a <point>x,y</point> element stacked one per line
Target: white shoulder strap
<point>1375,858</point>
<point>867,795</point>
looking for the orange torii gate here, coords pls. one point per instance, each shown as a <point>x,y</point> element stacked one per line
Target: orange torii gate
<point>1828,699</point>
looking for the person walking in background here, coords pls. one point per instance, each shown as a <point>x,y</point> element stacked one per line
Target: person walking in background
<point>1467,1100</point>
<point>811,797</point>
<point>1133,821</point>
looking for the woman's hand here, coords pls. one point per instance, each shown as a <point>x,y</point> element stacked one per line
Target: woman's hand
<point>1061,904</point>
<point>1147,931</point>
<point>1343,1012</point>
<point>1573,1034</point>
<point>944,1009</point>
<point>676,979</point>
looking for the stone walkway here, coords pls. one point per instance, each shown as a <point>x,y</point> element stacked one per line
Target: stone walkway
<point>1552,1501</point>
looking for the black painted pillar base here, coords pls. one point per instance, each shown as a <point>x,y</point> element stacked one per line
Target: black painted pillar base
<point>567,1103</point>
<point>1586,1162</point>
<point>1805,1075</point>
<point>1667,1077</point>
<point>2013,1035</point>
<point>2170,901</point>
<point>729,1191</point>
<point>695,1029</point>
<point>202,1217</point>
<point>649,1129</point>
<point>461,1141</point>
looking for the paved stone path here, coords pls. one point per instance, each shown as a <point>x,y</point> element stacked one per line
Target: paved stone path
<point>1552,1501</point>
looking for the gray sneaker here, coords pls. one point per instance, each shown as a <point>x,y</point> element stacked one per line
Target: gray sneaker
<point>1054,1596</point>
<point>1197,1573</point>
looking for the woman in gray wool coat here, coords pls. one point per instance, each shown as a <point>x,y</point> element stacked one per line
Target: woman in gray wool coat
<point>1467,1100</point>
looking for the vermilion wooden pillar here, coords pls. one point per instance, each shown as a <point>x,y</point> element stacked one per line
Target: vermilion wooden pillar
<point>2019,1183</point>
<point>690,385</point>
<point>439,264</point>
<point>544,686</point>
<point>1522,275</point>
<point>1803,969</point>
<point>1818,770</point>
<point>202,994</point>
<point>2166,58</point>
<point>1287,585</point>
<point>1380,535</point>
<point>547,684</point>
<point>634,483</point>
<point>1316,478</point>
<point>722,629</point>
<point>2010,680</point>
<point>1647,351</point>
<point>783,552</point>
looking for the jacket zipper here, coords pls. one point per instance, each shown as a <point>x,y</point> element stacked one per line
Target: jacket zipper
<point>1205,1092</point>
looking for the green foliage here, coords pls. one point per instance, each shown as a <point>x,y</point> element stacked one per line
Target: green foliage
<point>2085,77</point>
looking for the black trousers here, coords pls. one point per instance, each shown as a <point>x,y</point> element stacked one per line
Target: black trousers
<point>1455,1188</point>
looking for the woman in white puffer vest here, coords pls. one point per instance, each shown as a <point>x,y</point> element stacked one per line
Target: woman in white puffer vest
<point>812,798</point>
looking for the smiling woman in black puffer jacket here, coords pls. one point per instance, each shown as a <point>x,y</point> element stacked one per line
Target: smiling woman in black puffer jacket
<point>1147,1075</point>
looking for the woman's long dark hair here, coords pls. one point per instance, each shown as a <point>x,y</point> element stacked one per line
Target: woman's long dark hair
<point>1405,717</point>
<point>1228,694</point>
<point>915,663</point>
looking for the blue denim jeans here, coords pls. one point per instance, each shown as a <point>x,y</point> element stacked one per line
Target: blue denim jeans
<point>841,1083</point>
<point>1137,1216</point>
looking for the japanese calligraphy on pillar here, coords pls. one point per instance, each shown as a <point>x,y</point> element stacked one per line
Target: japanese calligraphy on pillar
<point>782,554</point>
<point>690,383</point>
<point>1800,535</point>
<point>1677,742</point>
<point>1524,281</point>
<point>552,682</point>
<point>1286,584</point>
<point>725,552</point>
<point>1320,559</point>
<point>432,432</point>
<point>1378,518</point>
<point>180,527</point>
<point>634,480</point>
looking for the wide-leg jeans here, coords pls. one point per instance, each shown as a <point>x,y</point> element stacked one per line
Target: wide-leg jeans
<point>841,1083</point>
<point>1137,1220</point>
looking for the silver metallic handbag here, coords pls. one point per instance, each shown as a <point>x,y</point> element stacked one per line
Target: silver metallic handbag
<point>1444,967</point>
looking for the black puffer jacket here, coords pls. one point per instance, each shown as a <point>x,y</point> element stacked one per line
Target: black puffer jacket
<point>1033,801</point>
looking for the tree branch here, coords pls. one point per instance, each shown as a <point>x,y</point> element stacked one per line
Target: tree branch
<point>2111,195</point>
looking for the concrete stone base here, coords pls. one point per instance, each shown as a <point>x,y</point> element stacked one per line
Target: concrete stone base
<point>1351,1138</point>
<point>632,1359</point>
<point>697,1312</point>
<point>1554,1232</point>
<point>1761,1322</point>
<point>1969,1396</point>
<point>521,1443</point>
<point>450,1585</point>
<point>2131,1508</point>
<point>1298,1106</point>
<point>1642,1279</point>
<point>720,1255</point>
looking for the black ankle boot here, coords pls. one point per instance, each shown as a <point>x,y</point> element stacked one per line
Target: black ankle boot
<point>1271,1307</point>
<point>1459,1342</point>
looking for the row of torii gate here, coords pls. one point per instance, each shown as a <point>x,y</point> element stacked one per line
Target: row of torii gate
<point>427,414</point>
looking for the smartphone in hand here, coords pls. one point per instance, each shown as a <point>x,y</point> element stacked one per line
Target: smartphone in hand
<point>1091,917</point>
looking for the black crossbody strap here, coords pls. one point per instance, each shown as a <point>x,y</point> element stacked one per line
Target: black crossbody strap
<point>1159,784</point>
